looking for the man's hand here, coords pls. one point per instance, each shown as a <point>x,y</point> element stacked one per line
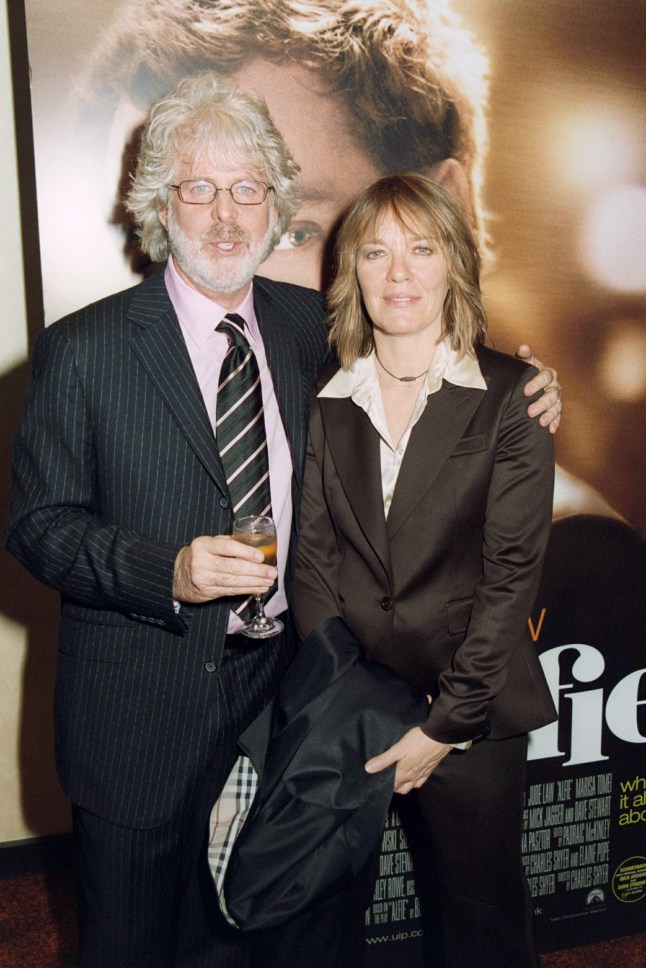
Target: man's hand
<point>416,756</point>
<point>214,567</point>
<point>549,407</point>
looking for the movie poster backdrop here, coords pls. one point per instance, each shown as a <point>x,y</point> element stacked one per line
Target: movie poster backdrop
<point>565,198</point>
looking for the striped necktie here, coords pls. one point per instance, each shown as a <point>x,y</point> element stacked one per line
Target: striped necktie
<point>240,429</point>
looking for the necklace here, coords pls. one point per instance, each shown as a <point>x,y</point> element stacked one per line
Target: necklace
<point>401,379</point>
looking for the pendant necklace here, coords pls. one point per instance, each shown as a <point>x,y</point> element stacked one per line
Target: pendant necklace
<point>401,379</point>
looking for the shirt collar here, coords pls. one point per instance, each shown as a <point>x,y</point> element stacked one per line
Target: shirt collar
<point>198,314</point>
<point>360,379</point>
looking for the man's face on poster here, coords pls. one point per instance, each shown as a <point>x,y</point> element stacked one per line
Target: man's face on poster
<point>335,166</point>
<point>318,130</point>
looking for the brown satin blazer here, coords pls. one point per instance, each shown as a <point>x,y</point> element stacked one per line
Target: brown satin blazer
<point>440,591</point>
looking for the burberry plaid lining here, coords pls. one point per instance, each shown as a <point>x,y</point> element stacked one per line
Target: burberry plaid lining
<point>227,818</point>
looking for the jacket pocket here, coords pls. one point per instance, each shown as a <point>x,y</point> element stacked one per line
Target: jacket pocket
<point>458,615</point>
<point>97,642</point>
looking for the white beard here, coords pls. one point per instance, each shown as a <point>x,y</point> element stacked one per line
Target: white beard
<point>225,275</point>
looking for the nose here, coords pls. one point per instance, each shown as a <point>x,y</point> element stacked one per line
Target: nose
<point>224,208</point>
<point>398,269</point>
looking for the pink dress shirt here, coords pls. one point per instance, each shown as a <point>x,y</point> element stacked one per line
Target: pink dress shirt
<point>198,316</point>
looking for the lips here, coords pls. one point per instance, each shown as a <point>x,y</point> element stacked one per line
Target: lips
<point>228,247</point>
<point>226,241</point>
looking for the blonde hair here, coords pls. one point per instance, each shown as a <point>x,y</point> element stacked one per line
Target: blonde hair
<point>424,208</point>
<point>208,110</point>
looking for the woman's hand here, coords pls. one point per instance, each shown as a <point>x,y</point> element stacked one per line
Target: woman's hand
<point>416,756</point>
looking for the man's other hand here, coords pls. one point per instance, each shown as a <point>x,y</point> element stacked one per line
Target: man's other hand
<point>549,407</point>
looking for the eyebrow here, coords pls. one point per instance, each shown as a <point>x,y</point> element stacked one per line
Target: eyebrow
<point>316,195</point>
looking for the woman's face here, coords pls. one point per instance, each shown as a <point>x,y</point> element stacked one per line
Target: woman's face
<point>403,277</point>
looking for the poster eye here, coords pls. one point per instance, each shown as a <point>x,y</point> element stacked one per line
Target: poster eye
<point>299,235</point>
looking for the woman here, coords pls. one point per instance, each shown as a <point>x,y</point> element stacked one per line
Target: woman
<point>425,515</point>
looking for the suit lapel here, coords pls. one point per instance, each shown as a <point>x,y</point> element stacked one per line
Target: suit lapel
<point>161,349</point>
<point>354,445</point>
<point>285,368</point>
<point>431,443</point>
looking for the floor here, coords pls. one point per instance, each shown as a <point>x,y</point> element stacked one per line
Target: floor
<point>38,930</point>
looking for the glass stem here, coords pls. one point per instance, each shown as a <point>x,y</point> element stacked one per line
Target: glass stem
<point>261,618</point>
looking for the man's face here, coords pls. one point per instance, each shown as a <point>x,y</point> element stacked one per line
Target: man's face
<point>318,132</point>
<point>218,247</point>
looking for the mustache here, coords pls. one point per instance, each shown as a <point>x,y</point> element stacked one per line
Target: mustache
<point>223,233</point>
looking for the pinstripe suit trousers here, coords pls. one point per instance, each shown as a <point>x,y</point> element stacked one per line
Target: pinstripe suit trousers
<point>160,876</point>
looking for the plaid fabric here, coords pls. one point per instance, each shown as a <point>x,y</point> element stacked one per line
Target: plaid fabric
<point>227,818</point>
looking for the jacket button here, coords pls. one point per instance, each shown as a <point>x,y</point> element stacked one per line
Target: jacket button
<point>210,666</point>
<point>224,503</point>
<point>387,603</point>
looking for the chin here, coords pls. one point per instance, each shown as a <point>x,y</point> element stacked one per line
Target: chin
<point>225,279</point>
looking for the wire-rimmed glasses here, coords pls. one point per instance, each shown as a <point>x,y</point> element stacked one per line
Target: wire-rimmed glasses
<point>201,191</point>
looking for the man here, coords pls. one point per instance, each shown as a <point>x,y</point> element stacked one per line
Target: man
<point>120,494</point>
<point>124,502</point>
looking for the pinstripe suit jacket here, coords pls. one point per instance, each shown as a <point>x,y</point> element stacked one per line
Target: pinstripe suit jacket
<point>115,468</point>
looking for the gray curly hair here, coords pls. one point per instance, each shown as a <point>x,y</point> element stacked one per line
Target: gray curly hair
<point>207,109</point>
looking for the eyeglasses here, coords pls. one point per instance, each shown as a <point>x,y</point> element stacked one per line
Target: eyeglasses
<point>200,191</point>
